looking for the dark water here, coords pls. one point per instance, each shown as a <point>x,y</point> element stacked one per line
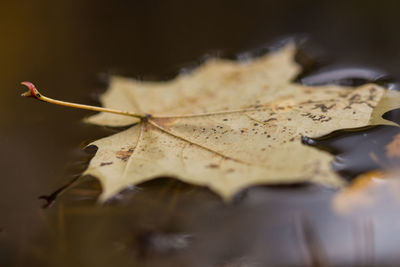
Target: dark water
<point>358,150</point>
<point>69,49</point>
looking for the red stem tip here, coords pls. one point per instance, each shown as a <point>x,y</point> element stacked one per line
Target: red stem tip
<point>33,92</point>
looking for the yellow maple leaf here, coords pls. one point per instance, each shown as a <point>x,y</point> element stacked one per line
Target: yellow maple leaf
<point>227,125</point>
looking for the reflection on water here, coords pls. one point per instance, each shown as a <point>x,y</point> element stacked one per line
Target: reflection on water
<point>350,76</point>
<point>358,150</point>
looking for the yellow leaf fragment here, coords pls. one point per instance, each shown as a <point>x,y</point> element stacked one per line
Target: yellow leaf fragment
<point>393,148</point>
<point>371,192</point>
<point>358,194</point>
<point>228,125</point>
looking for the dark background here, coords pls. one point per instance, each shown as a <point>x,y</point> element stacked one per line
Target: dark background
<point>68,48</point>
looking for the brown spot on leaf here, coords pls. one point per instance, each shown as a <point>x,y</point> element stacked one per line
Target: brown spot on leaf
<point>358,99</point>
<point>212,166</point>
<point>105,163</point>
<point>316,117</point>
<point>124,154</point>
<point>323,107</point>
<point>272,119</point>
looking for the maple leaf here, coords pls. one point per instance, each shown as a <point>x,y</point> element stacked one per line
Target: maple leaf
<point>227,125</point>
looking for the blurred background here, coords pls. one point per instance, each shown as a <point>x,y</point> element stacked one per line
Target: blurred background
<point>69,49</point>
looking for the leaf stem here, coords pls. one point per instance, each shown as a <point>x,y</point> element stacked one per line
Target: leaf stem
<point>33,92</point>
